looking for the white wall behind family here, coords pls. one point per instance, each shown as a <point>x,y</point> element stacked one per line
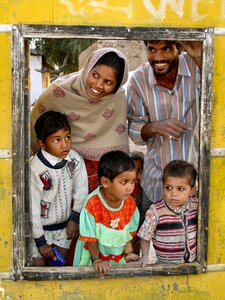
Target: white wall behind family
<point>35,77</point>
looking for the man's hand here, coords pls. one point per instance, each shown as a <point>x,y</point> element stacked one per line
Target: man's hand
<point>170,128</point>
<point>46,251</point>
<point>72,230</point>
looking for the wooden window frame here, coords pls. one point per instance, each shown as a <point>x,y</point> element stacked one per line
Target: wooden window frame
<point>21,34</point>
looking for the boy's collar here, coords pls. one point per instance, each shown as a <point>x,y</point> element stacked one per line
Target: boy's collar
<point>51,158</point>
<point>179,210</point>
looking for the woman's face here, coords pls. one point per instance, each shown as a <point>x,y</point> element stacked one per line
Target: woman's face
<point>101,81</point>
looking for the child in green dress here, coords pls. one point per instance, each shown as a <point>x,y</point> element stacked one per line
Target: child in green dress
<point>109,218</point>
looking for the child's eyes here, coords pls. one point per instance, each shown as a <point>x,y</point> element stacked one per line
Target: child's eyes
<point>168,188</point>
<point>55,140</point>
<point>68,138</point>
<point>123,182</point>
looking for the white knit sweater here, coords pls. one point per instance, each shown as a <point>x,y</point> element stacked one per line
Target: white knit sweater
<point>53,187</point>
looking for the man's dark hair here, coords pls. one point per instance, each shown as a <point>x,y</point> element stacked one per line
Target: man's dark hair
<point>181,169</point>
<point>146,42</point>
<point>111,59</point>
<point>50,122</point>
<point>114,163</point>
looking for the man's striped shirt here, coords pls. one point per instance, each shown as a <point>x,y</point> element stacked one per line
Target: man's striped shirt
<point>149,102</point>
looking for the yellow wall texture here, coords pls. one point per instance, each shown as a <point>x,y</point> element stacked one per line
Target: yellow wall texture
<point>216,242</point>
<point>154,13</point>
<point>179,13</point>
<point>197,287</point>
<point>5,145</point>
<point>5,90</point>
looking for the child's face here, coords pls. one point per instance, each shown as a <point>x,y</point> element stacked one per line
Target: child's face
<point>177,191</point>
<point>139,169</point>
<point>58,143</point>
<point>101,81</point>
<point>119,189</point>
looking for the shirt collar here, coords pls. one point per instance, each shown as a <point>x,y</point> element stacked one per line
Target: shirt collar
<point>179,210</point>
<point>53,160</point>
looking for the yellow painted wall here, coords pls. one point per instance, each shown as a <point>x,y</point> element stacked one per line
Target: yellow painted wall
<point>174,13</point>
<point>197,287</point>
<point>154,13</point>
<point>5,144</point>
<point>216,248</point>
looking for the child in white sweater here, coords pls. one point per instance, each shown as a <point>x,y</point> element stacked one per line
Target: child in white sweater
<point>59,185</point>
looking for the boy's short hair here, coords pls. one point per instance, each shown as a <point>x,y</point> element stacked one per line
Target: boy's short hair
<point>114,163</point>
<point>50,122</point>
<point>181,168</point>
<point>136,155</point>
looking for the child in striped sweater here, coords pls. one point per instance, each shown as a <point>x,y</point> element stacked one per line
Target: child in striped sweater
<point>171,222</point>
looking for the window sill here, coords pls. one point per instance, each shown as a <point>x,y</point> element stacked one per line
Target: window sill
<point>71,273</point>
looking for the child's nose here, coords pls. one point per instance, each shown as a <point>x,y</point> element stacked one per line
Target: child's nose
<point>65,144</point>
<point>173,192</point>
<point>130,187</point>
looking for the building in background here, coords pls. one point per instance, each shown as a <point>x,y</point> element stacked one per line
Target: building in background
<point>135,51</point>
<point>39,81</point>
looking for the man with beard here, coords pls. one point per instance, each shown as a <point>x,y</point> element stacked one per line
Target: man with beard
<point>163,108</point>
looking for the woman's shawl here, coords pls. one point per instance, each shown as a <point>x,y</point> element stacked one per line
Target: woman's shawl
<point>97,126</point>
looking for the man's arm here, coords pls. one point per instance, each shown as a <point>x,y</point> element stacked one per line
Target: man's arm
<point>137,115</point>
<point>194,50</point>
<point>140,127</point>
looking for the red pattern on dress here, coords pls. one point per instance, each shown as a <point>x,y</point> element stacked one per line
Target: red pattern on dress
<point>41,108</point>
<point>94,101</point>
<point>89,136</point>
<point>59,93</point>
<point>108,113</point>
<point>104,216</point>
<point>72,116</point>
<point>120,129</point>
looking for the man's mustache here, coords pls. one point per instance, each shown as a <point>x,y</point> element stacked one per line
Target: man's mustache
<point>160,62</point>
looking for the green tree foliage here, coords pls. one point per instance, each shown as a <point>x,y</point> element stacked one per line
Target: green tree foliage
<point>60,56</point>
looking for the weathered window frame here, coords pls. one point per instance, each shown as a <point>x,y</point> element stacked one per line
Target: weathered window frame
<point>21,153</point>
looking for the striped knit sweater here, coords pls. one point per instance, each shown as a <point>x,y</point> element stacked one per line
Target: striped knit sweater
<point>175,238</point>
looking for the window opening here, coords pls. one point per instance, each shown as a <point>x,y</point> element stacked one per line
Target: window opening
<point>22,37</point>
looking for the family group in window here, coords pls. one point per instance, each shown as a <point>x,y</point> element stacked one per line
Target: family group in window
<point>93,202</point>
